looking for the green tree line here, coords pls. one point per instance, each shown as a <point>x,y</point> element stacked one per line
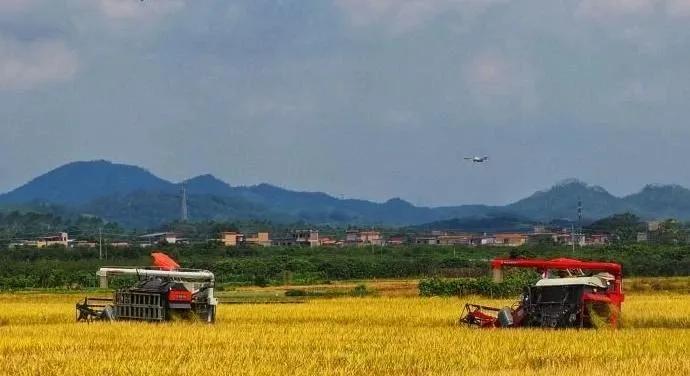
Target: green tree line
<point>75,268</point>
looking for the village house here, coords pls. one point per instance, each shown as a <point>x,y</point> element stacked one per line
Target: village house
<point>510,239</point>
<point>443,238</point>
<point>59,239</point>
<point>21,244</point>
<point>261,239</point>
<point>396,240</point>
<point>370,237</point>
<point>426,240</point>
<point>283,241</point>
<point>299,237</point>
<point>598,240</point>
<point>562,238</point>
<point>351,237</point>
<point>307,237</point>
<point>231,238</point>
<point>84,244</point>
<point>327,241</point>
<point>159,238</point>
<point>363,237</point>
<point>653,226</point>
<point>487,240</point>
<point>457,239</point>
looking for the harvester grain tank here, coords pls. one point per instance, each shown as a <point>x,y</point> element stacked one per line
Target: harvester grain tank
<point>162,292</point>
<point>571,294</point>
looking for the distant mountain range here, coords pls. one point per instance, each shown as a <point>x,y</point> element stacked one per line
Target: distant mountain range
<point>134,197</point>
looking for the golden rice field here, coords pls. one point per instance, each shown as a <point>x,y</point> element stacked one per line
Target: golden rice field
<point>344,336</point>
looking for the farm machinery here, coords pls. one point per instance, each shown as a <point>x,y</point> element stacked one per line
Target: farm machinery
<point>571,294</point>
<point>162,292</point>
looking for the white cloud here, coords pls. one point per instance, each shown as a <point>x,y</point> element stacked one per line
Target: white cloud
<point>637,92</point>
<point>678,8</point>
<point>137,10</point>
<point>111,9</point>
<point>25,65</point>
<point>7,6</point>
<point>494,79</point>
<point>400,16</point>
<point>620,8</point>
<point>600,8</point>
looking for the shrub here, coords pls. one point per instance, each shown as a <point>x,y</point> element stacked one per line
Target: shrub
<point>360,291</point>
<point>295,292</point>
<point>484,286</point>
<point>260,280</point>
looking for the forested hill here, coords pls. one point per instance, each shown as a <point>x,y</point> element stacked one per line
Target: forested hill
<point>134,197</point>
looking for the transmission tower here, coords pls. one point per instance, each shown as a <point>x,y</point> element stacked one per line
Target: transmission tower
<point>579,219</point>
<point>185,214</point>
<point>579,214</point>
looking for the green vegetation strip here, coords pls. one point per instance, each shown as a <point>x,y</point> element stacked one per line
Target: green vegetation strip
<point>274,266</point>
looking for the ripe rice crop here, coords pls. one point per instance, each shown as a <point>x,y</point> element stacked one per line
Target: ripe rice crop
<point>345,336</point>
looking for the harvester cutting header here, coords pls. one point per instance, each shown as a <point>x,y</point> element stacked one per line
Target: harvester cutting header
<point>162,292</point>
<point>571,293</point>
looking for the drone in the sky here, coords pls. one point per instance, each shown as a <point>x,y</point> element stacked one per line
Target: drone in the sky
<point>478,159</point>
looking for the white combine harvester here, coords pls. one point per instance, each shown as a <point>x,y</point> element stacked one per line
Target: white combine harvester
<point>162,292</point>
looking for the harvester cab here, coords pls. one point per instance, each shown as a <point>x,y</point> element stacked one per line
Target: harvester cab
<point>571,294</point>
<point>162,292</point>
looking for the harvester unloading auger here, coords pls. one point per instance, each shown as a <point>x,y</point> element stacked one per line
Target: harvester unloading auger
<point>163,292</point>
<point>584,294</point>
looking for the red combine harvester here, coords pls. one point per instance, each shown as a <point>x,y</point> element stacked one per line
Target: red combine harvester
<point>571,294</point>
<point>163,291</point>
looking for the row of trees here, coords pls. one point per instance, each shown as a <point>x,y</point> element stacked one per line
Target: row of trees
<point>625,228</point>
<point>57,267</point>
<point>17,225</point>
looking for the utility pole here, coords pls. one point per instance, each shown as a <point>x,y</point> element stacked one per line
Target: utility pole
<point>579,214</point>
<point>572,236</point>
<point>100,243</point>
<point>579,219</point>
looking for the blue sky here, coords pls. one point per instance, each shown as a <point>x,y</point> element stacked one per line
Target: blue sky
<point>360,98</point>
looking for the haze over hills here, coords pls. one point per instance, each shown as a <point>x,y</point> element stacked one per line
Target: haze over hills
<point>560,201</point>
<point>134,197</point>
<point>80,182</point>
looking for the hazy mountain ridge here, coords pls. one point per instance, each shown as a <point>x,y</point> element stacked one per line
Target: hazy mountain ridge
<point>561,201</point>
<point>665,201</point>
<point>80,182</point>
<point>490,223</point>
<point>135,197</point>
